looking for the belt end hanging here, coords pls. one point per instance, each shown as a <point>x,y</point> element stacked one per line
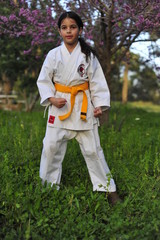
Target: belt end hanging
<point>83,116</point>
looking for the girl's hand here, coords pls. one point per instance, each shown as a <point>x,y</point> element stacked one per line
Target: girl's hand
<point>57,102</point>
<point>98,112</point>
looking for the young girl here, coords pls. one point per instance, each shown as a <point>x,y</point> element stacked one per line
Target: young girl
<point>72,84</point>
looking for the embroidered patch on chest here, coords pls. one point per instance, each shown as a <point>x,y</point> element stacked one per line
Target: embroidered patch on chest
<point>51,119</point>
<point>81,70</point>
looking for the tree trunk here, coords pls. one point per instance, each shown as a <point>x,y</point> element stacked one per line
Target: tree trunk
<point>125,84</point>
<point>7,86</point>
<point>15,2</point>
<point>108,70</point>
<point>109,44</point>
<point>31,101</point>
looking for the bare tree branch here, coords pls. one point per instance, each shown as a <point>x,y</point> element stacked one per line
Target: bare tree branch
<point>123,53</point>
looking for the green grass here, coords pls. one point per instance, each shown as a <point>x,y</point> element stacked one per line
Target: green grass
<point>28,210</point>
<point>148,106</point>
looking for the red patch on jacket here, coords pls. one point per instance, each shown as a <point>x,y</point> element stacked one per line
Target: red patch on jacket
<point>81,70</point>
<point>51,119</point>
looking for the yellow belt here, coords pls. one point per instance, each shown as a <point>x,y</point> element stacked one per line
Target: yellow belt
<point>73,91</point>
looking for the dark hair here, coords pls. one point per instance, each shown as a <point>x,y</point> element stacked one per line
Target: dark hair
<point>85,48</point>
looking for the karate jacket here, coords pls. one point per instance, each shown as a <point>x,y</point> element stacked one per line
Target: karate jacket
<point>72,69</point>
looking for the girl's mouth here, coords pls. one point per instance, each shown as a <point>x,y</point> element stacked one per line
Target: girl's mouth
<point>68,37</point>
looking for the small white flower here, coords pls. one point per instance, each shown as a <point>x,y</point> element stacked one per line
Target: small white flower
<point>137,119</point>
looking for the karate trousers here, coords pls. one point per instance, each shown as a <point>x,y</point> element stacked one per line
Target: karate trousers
<point>54,149</point>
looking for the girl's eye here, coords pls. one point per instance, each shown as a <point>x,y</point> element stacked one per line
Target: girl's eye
<point>74,26</point>
<point>71,27</point>
<point>63,27</point>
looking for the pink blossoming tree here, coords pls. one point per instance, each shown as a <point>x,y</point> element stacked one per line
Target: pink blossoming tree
<point>112,25</point>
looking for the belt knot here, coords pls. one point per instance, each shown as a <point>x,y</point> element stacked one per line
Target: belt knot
<point>73,91</point>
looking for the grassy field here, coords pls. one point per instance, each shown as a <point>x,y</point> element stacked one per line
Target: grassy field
<point>148,106</point>
<point>28,210</point>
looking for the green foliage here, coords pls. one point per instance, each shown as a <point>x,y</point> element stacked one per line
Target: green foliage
<point>144,84</point>
<point>29,210</point>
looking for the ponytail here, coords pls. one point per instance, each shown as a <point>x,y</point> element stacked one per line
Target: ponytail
<point>86,49</point>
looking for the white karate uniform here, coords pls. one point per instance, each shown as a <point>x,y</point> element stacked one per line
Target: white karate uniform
<point>72,69</point>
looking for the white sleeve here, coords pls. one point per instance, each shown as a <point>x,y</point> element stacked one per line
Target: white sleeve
<point>45,85</point>
<point>100,94</point>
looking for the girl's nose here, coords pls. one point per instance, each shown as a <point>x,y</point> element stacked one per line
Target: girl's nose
<point>68,30</point>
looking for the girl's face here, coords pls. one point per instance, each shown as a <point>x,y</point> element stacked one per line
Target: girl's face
<point>69,31</point>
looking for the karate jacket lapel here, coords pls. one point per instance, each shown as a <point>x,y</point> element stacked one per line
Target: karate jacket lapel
<point>69,61</point>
